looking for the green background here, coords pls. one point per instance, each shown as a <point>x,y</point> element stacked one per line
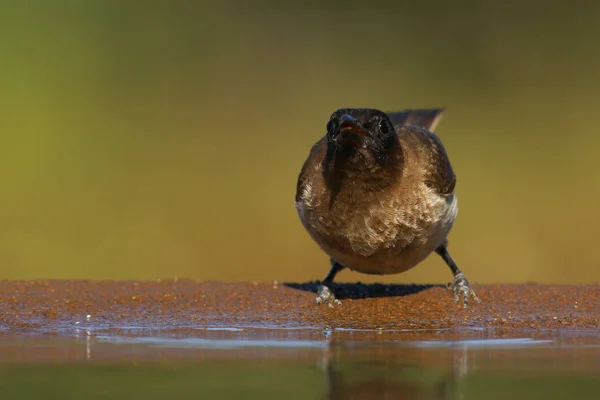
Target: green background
<point>149,139</point>
<point>260,379</point>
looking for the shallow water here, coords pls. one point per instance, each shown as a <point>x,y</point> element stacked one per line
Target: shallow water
<point>252,362</point>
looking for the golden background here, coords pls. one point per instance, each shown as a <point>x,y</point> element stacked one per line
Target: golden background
<point>150,139</point>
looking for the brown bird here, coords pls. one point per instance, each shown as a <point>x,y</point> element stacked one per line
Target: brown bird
<point>377,195</point>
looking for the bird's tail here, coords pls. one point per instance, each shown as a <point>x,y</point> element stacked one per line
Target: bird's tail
<point>427,118</point>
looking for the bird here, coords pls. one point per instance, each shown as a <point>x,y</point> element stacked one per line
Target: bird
<point>377,195</point>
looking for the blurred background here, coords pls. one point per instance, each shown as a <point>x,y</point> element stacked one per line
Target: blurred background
<point>154,139</point>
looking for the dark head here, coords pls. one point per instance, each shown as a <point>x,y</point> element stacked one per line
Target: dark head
<point>361,142</point>
<point>363,135</point>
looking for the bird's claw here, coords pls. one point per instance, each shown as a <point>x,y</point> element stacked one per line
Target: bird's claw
<point>461,287</point>
<point>326,296</point>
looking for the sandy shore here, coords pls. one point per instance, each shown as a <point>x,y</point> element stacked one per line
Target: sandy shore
<point>167,304</point>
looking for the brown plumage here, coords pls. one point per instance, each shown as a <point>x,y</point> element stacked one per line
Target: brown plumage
<point>377,194</point>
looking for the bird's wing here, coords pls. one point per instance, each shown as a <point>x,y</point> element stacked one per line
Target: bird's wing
<point>434,163</point>
<point>424,118</point>
<point>316,156</point>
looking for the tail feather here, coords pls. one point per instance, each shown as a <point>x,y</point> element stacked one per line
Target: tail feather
<point>425,118</point>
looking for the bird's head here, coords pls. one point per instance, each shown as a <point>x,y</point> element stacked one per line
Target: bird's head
<point>363,135</point>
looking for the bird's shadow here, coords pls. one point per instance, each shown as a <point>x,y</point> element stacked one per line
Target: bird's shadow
<point>363,290</point>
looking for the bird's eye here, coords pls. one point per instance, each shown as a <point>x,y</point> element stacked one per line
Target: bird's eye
<point>384,126</point>
<point>332,126</point>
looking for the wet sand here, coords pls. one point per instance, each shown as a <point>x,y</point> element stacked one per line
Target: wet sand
<point>55,306</point>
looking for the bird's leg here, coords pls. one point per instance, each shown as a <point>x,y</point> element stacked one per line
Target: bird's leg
<point>460,286</point>
<point>324,293</point>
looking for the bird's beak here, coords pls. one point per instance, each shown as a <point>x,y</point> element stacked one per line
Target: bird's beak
<point>349,124</point>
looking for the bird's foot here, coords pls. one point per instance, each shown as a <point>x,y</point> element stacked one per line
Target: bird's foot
<point>326,296</point>
<point>461,287</point>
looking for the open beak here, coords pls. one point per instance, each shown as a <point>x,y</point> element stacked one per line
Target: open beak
<point>349,124</point>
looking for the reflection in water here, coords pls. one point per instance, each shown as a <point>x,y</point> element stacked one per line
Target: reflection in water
<point>438,365</point>
<point>87,334</point>
<point>262,363</point>
<point>384,379</point>
<point>387,385</point>
<point>460,368</point>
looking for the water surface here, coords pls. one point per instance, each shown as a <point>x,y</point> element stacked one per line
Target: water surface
<point>252,362</point>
